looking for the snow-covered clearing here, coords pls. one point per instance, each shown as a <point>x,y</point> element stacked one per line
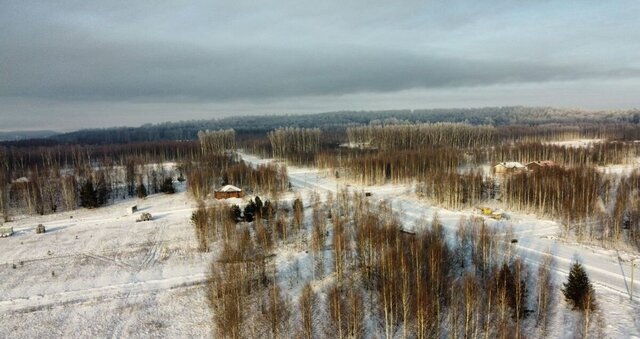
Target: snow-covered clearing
<point>101,274</point>
<point>98,273</point>
<point>609,270</point>
<point>576,142</point>
<point>621,169</point>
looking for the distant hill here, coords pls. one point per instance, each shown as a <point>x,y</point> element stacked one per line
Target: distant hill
<point>247,126</point>
<point>254,125</point>
<point>23,135</point>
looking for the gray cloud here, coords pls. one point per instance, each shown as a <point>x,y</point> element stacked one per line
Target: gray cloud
<point>80,68</point>
<point>244,54</point>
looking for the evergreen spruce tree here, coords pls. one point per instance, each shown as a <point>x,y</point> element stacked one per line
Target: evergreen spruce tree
<point>259,205</point>
<point>88,196</point>
<point>249,211</point>
<point>102,192</point>
<point>236,213</point>
<point>578,289</point>
<point>167,186</point>
<point>141,191</point>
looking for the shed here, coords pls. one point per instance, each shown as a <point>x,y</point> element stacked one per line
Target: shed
<point>509,167</point>
<point>6,231</point>
<point>21,180</point>
<point>132,209</point>
<point>536,165</point>
<point>228,191</point>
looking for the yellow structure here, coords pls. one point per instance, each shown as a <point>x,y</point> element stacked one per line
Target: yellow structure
<point>491,213</point>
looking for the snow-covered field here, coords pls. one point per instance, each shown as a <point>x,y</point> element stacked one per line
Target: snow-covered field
<point>98,273</point>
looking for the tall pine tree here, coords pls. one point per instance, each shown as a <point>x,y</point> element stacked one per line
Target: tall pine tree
<point>578,289</point>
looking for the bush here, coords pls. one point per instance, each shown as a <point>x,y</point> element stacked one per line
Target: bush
<point>578,289</point>
<point>236,213</point>
<point>167,186</point>
<point>88,195</point>
<point>250,211</point>
<point>141,191</point>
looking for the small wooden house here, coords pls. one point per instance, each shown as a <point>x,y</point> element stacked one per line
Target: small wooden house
<point>536,165</point>
<point>228,191</point>
<point>509,167</point>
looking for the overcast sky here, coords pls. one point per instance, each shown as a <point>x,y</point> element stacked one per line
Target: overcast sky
<point>73,64</point>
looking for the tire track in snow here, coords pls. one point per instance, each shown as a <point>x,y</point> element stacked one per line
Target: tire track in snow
<point>129,300</point>
<point>110,260</point>
<point>47,301</point>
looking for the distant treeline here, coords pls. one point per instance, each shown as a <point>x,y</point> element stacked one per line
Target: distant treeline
<point>247,126</point>
<point>19,161</point>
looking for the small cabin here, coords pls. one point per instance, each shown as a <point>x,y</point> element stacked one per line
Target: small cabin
<point>509,167</point>
<point>228,191</point>
<point>537,165</point>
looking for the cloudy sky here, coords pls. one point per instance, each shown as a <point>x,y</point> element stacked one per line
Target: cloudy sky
<point>73,64</point>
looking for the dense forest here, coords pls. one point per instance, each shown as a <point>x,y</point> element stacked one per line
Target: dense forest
<point>519,118</point>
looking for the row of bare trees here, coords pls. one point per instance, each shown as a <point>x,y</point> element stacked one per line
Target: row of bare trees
<point>601,153</point>
<point>50,191</point>
<point>427,288</point>
<point>19,161</point>
<point>570,194</point>
<point>244,292</point>
<point>217,164</point>
<point>207,175</point>
<point>623,221</point>
<point>397,167</point>
<point>46,179</point>
<point>455,190</point>
<point>296,144</point>
<point>387,280</point>
<point>217,142</point>
<point>417,136</point>
<point>559,132</point>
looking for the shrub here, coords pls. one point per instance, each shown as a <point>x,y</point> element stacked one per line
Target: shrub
<point>141,191</point>
<point>167,186</point>
<point>88,195</point>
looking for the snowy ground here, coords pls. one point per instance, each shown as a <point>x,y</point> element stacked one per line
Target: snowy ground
<point>98,273</point>
<point>608,269</point>
<point>576,142</point>
<point>621,169</point>
<point>101,274</point>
